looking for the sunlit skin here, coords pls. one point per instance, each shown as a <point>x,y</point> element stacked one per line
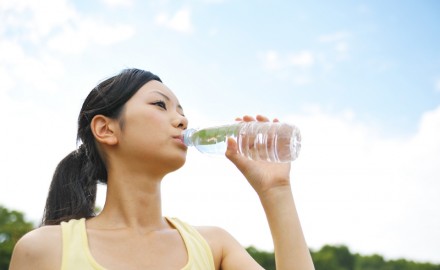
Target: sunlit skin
<point>139,150</point>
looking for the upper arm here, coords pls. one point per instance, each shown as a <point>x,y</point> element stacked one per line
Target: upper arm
<point>38,249</point>
<point>228,253</point>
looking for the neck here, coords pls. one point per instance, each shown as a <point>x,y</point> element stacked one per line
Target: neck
<point>133,201</point>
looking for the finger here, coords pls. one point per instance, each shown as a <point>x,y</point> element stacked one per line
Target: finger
<point>236,158</point>
<point>262,118</point>
<point>231,149</point>
<point>248,118</point>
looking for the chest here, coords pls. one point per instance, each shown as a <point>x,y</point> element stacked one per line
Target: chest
<point>121,250</point>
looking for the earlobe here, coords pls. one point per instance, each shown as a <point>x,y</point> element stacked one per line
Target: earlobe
<point>103,130</point>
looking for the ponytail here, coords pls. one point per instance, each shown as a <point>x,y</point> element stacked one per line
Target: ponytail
<point>72,193</point>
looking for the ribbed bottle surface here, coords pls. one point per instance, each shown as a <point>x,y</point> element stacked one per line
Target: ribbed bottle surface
<point>268,141</point>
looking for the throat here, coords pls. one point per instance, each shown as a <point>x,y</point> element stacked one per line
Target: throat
<point>130,207</point>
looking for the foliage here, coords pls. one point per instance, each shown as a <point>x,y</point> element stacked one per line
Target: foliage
<point>12,227</point>
<point>340,258</point>
<point>333,258</point>
<point>376,262</point>
<point>265,259</point>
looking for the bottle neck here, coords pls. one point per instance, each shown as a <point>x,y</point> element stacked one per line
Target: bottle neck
<point>187,136</point>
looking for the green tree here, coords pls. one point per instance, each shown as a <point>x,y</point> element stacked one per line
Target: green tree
<point>12,227</point>
<point>333,258</point>
<point>340,258</point>
<point>265,259</point>
<point>402,264</point>
<point>371,262</point>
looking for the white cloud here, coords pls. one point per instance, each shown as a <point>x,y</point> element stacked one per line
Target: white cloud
<point>180,21</point>
<point>35,20</point>
<point>25,72</point>
<point>6,81</point>
<point>33,145</point>
<point>271,60</point>
<point>274,60</point>
<point>429,131</point>
<point>76,38</point>
<point>293,67</point>
<point>30,34</point>
<point>299,64</point>
<point>302,59</point>
<point>118,3</point>
<point>59,24</point>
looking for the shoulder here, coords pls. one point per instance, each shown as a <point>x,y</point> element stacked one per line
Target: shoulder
<point>40,248</point>
<point>228,252</point>
<point>215,235</point>
<point>219,239</point>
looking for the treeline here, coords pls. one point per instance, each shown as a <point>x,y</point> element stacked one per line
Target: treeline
<point>13,225</point>
<point>340,258</point>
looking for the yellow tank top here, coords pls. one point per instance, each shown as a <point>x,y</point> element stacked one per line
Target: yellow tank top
<point>76,253</point>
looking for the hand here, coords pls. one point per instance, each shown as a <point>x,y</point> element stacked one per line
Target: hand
<point>263,176</point>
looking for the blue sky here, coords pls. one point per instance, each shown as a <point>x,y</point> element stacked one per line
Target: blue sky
<point>361,79</point>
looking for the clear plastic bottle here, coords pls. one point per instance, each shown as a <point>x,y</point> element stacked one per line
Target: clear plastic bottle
<point>268,141</point>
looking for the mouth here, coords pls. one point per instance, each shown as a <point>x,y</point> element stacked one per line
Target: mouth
<point>179,138</point>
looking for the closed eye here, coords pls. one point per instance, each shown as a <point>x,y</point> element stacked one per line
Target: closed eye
<point>161,104</point>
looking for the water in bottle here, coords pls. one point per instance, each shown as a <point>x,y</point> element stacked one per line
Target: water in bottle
<point>268,141</point>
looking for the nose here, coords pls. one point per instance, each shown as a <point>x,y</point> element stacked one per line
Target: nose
<point>180,121</point>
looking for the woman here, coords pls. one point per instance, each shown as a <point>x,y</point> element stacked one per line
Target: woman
<point>130,129</point>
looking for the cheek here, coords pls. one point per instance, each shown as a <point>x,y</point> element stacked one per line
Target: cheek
<point>146,130</point>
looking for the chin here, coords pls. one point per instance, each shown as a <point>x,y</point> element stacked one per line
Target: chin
<point>176,163</point>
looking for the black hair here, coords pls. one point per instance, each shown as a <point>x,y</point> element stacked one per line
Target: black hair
<point>72,193</point>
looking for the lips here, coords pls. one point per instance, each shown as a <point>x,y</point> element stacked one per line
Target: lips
<point>179,138</point>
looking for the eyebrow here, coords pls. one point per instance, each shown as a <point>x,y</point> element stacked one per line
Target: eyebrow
<point>167,98</point>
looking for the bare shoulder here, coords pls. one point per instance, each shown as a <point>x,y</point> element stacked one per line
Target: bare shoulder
<point>40,248</point>
<point>213,233</point>
<point>227,251</point>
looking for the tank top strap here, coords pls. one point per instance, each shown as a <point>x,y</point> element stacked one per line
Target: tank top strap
<point>199,252</point>
<point>76,253</point>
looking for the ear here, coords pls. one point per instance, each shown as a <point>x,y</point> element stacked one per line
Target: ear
<point>104,129</point>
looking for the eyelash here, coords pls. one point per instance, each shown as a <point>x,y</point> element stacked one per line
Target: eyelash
<point>161,104</point>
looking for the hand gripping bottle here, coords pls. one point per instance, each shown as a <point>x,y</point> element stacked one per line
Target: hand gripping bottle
<point>268,141</point>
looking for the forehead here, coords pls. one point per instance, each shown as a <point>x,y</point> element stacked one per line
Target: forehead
<point>157,88</point>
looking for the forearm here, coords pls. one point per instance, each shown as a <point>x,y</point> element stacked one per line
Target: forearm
<point>291,251</point>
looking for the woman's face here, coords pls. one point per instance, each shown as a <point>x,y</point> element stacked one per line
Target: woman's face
<point>152,124</point>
